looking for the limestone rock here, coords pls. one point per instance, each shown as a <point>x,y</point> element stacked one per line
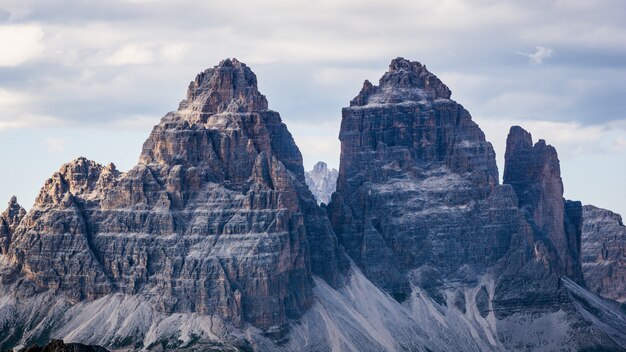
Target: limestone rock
<point>535,174</point>
<point>322,181</point>
<point>214,239</point>
<point>419,209</point>
<point>215,219</point>
<point>604,252</point>
<point>9,221</point>
<point>416,181</point>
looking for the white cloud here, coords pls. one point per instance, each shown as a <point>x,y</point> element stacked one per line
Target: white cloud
<point>571,139</point>
<point>619,145</point>
<point>332,76</point>
<point>55,145</point>
<point>16,8</point>
<point>14,120</point>
<point>10,99</point>
<point>140,123</point>
<point>539,55</point>
<point>173,52</point>
<point>130,54</point>
<point>15,111</point>
<point>19,44</point>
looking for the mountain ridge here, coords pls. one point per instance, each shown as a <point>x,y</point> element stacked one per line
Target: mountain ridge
<point>214,236</point>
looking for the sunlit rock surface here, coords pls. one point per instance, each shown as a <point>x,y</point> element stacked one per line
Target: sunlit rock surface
<point>322,181</point>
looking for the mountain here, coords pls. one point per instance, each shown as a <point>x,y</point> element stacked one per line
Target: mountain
<point>418,207</point>
<point>322,181</point>
<point>215,220</point>
<point>604,252</point>
<point>9,220</point>
<point>214,241</point>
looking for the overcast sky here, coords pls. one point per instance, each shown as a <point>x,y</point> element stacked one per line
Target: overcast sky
<point>91,78</point>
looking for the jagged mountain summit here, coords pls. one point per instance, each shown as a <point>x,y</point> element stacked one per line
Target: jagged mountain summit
<point>322,181</point>
<point>211,221</point>
<point>9,220</point>
<point>418,205</point>
<point>214,238</point>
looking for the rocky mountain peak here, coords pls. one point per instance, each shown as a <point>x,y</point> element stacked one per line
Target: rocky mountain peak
<point>9,221</point>
<point>320,167</point>
<point>405,81</point>
<point>231,86</point>
<point>322,181</point>
<point>14,213</point>
<point>518,139</point>
<point>534,171</point>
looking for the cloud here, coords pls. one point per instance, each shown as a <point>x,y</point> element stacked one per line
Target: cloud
<point>10,99</point>
<point>130,54</point>
<point>15,112</point>
<point>172,52</point>
<point>20,44</point>
<point>619,145</point>
<point>332,76</point>
<point>139,123</point>
<point>104,61</point>
<point>572,140</point>
<point>55,145</point>
<point>539,55</point>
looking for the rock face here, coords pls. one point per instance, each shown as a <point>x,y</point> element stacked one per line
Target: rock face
<point>604,252</point>
<point>322,181</point>
<point>535,174</point>
<point>417,185</point>
<point>419,209</point>
<point>549,247</point>
<point>9,221</point>
<point>215,219</point>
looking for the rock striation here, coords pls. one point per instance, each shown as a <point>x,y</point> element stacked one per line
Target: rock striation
<point>603,252</point>
<point>551,229</point>
<point>215,219</point>
<point>535,174</point>
<point>419,208</point>
<point>322,181</point>
<point>417,180</point>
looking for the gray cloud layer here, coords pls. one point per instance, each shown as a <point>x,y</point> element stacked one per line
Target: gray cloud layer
<point>557,66</point>
<point>91,61</point>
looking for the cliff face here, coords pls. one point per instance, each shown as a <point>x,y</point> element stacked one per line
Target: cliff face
<point>418,202</point>
<point>418,186</point>
<point>604,252</point>
<point>215,219</point>
<point>535,174</point>
<point>322,181</point>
